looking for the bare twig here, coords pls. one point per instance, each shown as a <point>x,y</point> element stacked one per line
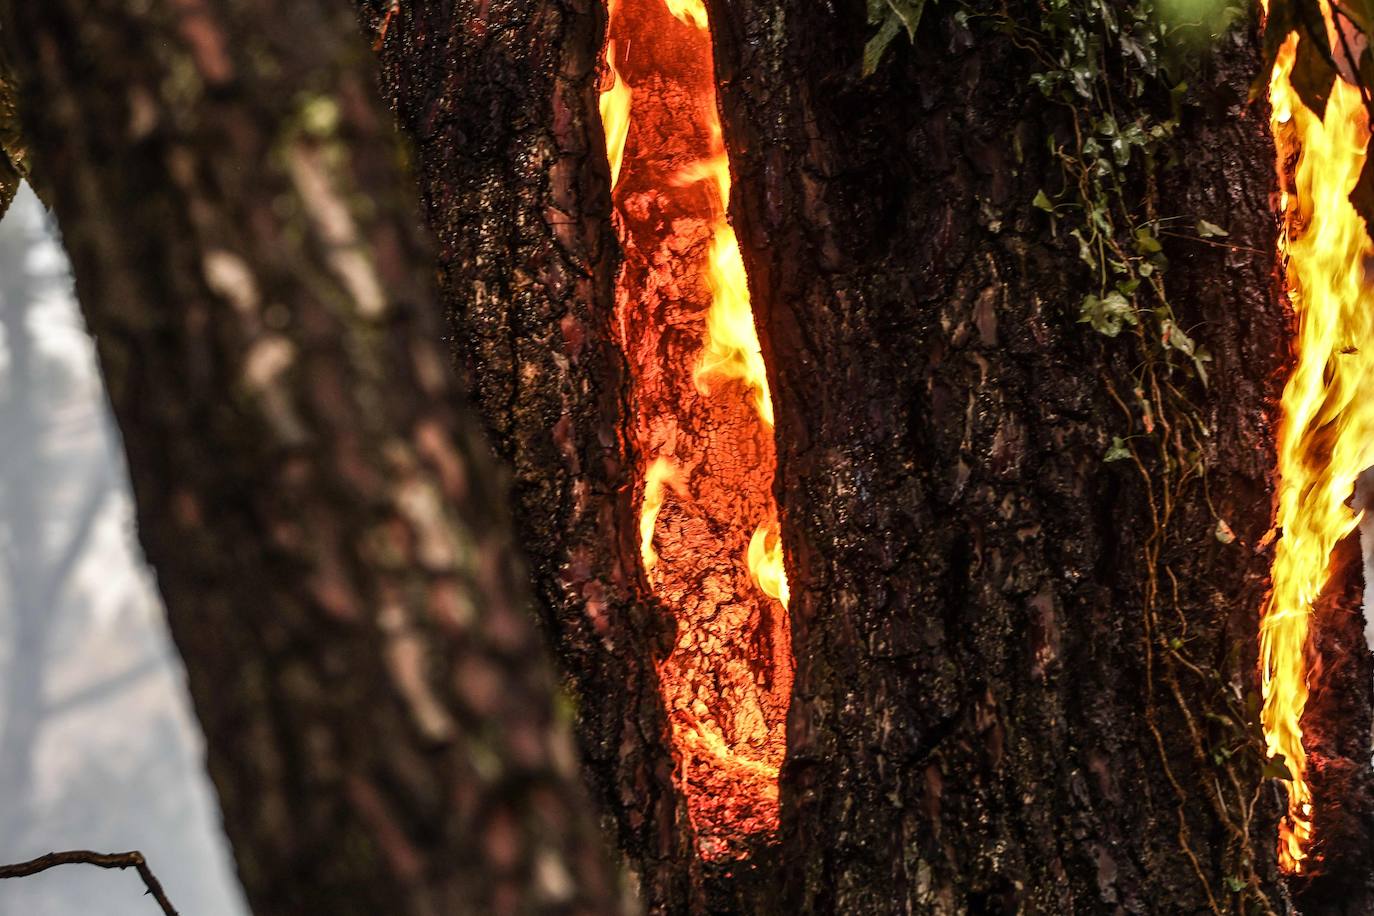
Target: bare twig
<point>133,860</point>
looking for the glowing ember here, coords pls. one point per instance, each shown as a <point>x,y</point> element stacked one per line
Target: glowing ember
<point>1328,403</point>
<point>709,536</point>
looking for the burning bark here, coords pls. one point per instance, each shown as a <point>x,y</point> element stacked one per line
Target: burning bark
<point>1337,721</point>
<point>703,425</point>
<point>972,724</point>
<point>990,689</point>
<point>501,102</point>
<point>1326,439</point>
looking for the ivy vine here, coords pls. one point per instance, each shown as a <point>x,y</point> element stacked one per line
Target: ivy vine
<point>1120,72</point>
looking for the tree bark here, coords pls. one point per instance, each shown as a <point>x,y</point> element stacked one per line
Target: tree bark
<point>988,714</point>
<point>381,722</point>
<point>1010,654</point>
<point>500,102</point>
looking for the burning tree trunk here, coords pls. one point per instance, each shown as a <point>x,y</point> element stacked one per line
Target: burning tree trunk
<point>324,521</point>
<point>1027,540</point>
<point>988,711</point>
<point>500,102</point>
<point>1022,673</point>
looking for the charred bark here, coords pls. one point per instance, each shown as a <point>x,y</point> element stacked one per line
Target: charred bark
<point>986,716</point>
<point>1002,660</point>
<point>1337,735</point>
<point>381,723</point>
<point>500,103</point>
<point>969,601</point>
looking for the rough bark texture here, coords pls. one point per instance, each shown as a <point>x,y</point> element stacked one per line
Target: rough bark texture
<point>500,103</point>
<point>988,715</point>
<point>979,678</point>
<point>1337,725</point>
<point>381,724</point>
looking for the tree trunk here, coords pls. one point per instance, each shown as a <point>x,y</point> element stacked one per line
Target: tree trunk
<point>1005,649</point>
<point>381,724</point>
<point>1026,561</point>
<point>500,102</point>
<point>1016,663</point>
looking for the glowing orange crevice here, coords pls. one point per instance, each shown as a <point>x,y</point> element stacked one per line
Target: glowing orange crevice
<point>709,538</point>
<point>1327,427</point>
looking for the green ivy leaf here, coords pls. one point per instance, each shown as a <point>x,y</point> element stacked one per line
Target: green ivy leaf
<point>1118,450</point>
<point>1276,767</point>
<point>890,16</point>
<point>1171,336</point>
<point>909,12</point>
<point>873,51</point>
<point>1042,200</point>
<point>1085,251</point>
<point>1210,230</point>
<point>1107,314</point>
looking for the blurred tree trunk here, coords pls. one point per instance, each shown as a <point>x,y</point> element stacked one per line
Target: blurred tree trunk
<point>324,519</point>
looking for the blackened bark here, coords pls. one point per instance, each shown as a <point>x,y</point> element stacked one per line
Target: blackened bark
<point>500,102</point>
<point>381,724</point>
<point>986,716</point>
<point>1337,732</point>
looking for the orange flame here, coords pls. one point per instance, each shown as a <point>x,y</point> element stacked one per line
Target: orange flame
<point>732,346</point>
<point>1327,430</point>
<point>685,320</point>
<point>765,562</point>
<point>688,12</point>
<point>660,472</point>
<point>615,114</point>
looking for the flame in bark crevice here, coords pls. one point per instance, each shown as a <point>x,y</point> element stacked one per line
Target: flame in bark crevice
<point>1327,427</point>
<point>709,535</point>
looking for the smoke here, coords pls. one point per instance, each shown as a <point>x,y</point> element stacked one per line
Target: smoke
<point>97,745</point>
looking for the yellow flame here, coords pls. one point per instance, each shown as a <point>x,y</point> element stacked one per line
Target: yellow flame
<point>615,115</point>
<point>732,344</point>
<point>689,12</point>
<point>727,724</point>
<point>661,472</point>
<point>765,562</point>
<point>1327,431</point>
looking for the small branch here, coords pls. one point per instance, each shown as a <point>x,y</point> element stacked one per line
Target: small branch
<point>104,860</point>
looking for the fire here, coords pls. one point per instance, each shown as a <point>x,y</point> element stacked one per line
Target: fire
<point>660,472</point>
<point>688,12</point>
<point>765,562</point>
<point>1327,430</point>
<point>732,345</point>
<point>709,534</point>
<point>615,113</point>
